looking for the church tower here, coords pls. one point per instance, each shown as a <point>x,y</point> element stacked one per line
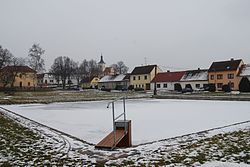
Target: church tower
<point>101,63</point>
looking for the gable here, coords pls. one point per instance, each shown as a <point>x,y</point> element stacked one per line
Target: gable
<point>231,65</point>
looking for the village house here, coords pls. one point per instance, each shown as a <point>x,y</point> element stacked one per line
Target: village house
<point>46,80</point>
<point>21,77</point>
<point>141,76</point>
<point>225,73</point>
<point>51,81</point>
<point>195,79</point>
<point>118,82</point>
<point>167,81</point>
<point>90,82</point>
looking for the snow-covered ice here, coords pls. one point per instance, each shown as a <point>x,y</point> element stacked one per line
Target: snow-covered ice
<point>152,119</point>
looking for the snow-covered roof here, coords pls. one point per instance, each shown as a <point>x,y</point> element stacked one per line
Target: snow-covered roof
<point>245,71</point>
<point>195,75</point>
<point>113,78</point>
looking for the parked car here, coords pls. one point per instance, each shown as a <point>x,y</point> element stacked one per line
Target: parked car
<point>186,90</point>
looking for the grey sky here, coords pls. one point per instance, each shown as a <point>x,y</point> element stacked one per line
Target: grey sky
<point>184,34</point>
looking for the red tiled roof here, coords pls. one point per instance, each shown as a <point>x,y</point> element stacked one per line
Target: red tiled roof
<point>18,69</point>
<point>168,76</point>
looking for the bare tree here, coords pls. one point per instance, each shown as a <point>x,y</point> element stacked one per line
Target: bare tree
<point>63,68</point>
<point>36,61</point>
<point>120,68</point>
<point>5,57</point>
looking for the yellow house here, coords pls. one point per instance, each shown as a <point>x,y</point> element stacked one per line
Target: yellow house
<point>225,73</point>
<point>22,77</point>
<point>91,82</point>
<point>142,76</point>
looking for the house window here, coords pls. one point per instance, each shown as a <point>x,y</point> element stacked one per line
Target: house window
<point>51,81</point>
<point>136,86</point>
<point>230,76</point>
<point>219,76</point>
<point>139,77</point>
<point>197,85</point>
<point>219,85</point>
<point>142,86</point>
<point>158,85</point>
<point>133,78</point>
<point>28,83</point>
<point>165,85</point>
<point>139,86</point>
<point>212,77</point>
<point>145,77</point>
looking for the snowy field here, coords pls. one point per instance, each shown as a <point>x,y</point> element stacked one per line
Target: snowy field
<point>151,119</point>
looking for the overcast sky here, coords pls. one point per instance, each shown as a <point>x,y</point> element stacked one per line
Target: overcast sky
<point>177,34</point>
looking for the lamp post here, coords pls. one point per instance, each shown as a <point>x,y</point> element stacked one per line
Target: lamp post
<point>155,91</point>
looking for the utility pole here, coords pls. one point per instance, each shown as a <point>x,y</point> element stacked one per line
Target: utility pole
<point>155,91</point>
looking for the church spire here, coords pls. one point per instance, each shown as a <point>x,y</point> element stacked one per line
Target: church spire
<point>101,61</point>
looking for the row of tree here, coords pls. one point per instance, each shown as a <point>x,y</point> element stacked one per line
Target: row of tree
<point>34,59</point>
<point>63,68</point>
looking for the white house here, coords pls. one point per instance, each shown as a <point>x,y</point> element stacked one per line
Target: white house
<point>167,81</point>
<point>197,79</point>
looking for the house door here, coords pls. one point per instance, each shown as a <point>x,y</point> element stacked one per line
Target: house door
<point>147,86</point>
<point>21,84</point>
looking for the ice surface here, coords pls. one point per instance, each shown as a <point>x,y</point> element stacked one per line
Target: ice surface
<point>151,119</point>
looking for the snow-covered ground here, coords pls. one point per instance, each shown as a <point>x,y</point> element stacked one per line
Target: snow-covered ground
<point>151,119</point>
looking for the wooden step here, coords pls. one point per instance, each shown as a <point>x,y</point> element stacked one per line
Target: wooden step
<point>108,141</point>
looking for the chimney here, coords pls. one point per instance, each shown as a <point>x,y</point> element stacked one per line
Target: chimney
<point>232,59</point>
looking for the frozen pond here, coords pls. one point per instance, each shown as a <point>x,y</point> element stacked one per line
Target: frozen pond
<point>151,119</point>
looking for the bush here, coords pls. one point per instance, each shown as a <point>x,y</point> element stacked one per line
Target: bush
<point>244,85</point>
<point>131,87</point>
<point>211,88</point>
<point>226,88</point>
<point>139,89</point>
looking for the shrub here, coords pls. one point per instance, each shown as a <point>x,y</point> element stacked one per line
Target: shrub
<point>211,87</point>
<point>131,87</point>
<point>244,85</point>
<point>226,88</point>
<point>139,89</point>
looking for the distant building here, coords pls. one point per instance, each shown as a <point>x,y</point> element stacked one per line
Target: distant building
<point>23,77</point>
<point>90,82</point>
<point>196,79</point>
<point>108,71</point>
<point>142,76</point>
<point>46,80</point>
<point>119,82</point>
<point>167,81</point>
<point>225,73</point>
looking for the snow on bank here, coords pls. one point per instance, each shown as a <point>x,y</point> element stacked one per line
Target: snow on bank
<point>224,164</point>
<point>151,119</point>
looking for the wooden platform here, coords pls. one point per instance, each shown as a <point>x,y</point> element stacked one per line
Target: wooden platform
<point>108,141</point>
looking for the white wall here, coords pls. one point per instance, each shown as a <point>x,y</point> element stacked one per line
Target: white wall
<point>193,84</point>
<point>170,86</point>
